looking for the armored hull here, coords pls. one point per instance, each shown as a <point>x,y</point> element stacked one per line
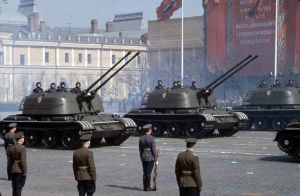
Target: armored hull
<point>50,130</point>
<point>271,108</point>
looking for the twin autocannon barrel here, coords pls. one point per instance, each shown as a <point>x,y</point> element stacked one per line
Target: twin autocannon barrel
<point>91,91</point>
<point>209,88</point>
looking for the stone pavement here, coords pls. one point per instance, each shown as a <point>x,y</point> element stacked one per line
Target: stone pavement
<point>247,164</point>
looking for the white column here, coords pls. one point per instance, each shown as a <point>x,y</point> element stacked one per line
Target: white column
<point>98,58</point>
<point>73,57</point>
<point>4,55</point>
<point>28,56</point>
<point>11,55</point>
<point>85,57</point>
<point>57,57</point>
<point>43,56</point>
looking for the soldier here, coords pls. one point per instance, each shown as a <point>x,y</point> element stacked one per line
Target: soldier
<point>263,84</point>
<point>187,170</point>
<point>148,155</point>
<point>159,85</point>
<point>277,83</point>
<point>18,165</point>
<point>38,88</point>
<point>52,88</point>
<point>77,88</point>
<point>62,87</point>
<point>175,85</point>
<point>193,86</point>
<point>84,167</point>
<point>9,141</point>
<point>290,83</point>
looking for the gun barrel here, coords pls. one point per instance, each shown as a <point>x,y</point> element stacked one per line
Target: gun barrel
<point>103,83</point>
<point>94,84</point>
<point>235,71</point>
<point>226,73</point>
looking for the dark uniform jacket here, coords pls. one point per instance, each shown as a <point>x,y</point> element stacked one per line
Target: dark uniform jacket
<point>37,90</point>
<point>17,155</point>
<point>84,165</point>
<point>147,148</point>
<point>187,170</point>
<point>9,139</point>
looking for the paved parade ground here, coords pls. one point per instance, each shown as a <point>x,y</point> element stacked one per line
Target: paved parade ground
<point>247,164</point>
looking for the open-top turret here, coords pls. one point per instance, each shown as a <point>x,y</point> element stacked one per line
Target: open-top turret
<point>193,112</point>
<point>51,119</point>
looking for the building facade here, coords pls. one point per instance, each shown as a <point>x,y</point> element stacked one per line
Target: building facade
<point>165,51</point>
<point>35,52</point>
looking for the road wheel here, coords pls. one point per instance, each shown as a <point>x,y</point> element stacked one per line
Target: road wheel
<point>50,139</point>
<point>196,130</point>
<point>249,124</point>
<point>32,138</point>
<point>285,143</point>
<point>157,129</point>
<point>69,140</point>
<point>260,124</point>
<point>278,124</point>
<point>96,141</point>
<point>173,129</point>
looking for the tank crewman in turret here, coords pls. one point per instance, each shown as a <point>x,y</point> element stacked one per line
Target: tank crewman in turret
<point>290,83</point>
<point>84,167</point>
<point>187,170</point>
<point>38,88</point>
<point>193,86</point>
<point>148,155</point>
<point>77,88</point>
<point>52,88</point>
<point>159,85</point>
<point>9,141</point>
<point>18,167</point>
<point>263,84</point>
<point>277,83</point>
<point>62,87</point>
<point>175,85</point>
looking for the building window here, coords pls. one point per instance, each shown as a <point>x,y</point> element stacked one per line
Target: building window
<point>79,58</point>
<point>66,57</point>
<point>22,59</point>
<point>138,60</point>
<point>89,59</point>
<point>1,58</point>
<point>113,59</point>
<point>46,57</point>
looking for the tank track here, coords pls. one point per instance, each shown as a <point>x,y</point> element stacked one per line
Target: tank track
<point>73,143</point>
<point>289,145</point>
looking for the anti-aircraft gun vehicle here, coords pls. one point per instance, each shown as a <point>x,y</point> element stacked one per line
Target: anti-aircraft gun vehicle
<point>271,107</point>
<point>189,112</point>
<point>54,119</point>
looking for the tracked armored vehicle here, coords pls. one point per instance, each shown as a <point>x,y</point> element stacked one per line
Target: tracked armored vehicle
<point>189,112</point>
<point>271,108</point>
<point>59,119</point>
<point>288,139</point>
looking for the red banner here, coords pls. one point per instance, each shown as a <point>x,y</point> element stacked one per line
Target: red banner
<point>167,8</point>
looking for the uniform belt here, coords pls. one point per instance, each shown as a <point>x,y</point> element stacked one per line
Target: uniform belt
<point>186,172</point>
<point>17,161</point>
<point>148,149</point>
<point>83,167</point>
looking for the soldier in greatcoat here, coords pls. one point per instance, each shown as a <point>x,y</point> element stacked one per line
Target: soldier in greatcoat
<point>148,155</point>
<point>9,141</point>
<point>84,167</point>
<point>18,164</point>
<point>77,88</point>
<point>187,170</point>
<point>38,88</point>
